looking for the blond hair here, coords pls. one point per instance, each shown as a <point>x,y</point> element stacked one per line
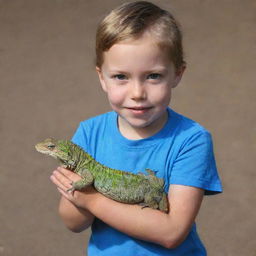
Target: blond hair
<point>131,20</point>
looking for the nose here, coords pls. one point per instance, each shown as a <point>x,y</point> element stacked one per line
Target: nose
<point>138,91</point>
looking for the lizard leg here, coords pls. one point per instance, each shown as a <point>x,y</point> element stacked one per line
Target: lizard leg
<point>149,201</point>
<point>85,181</point>
<point>151,204</point>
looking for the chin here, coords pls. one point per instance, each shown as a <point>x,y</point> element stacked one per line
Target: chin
<point>140,125</point>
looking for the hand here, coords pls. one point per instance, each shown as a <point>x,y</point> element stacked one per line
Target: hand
<point>63,179</point>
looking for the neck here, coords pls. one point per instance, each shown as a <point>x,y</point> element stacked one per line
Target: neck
<point>137,133</point>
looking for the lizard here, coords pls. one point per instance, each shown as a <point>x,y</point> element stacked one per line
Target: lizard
<point>122,186</point>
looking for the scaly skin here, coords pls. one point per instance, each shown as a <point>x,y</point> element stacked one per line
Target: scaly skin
<point>124,187</point>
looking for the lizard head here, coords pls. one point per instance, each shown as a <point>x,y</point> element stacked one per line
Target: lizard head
<point>59,149</point>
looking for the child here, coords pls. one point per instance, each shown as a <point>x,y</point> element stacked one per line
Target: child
<point>139,61</point>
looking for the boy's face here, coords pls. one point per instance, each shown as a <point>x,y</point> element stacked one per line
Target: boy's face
<point>138,78</point>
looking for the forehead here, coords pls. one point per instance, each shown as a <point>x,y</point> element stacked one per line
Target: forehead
<point>137,53</point>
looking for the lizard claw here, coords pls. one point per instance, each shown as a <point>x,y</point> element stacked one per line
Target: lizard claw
<point>72,189</point>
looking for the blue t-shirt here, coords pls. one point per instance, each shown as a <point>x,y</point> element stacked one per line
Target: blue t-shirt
<point>180,153</point>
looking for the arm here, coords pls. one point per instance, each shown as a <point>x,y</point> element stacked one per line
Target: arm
<point>168,230</point>
<point>75,218</point>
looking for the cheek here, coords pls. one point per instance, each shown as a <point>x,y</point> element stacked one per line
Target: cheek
<point>161,95</point>
<point>116,96</point>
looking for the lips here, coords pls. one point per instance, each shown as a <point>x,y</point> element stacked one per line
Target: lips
<point>139,107</point>
<point>138,110</point>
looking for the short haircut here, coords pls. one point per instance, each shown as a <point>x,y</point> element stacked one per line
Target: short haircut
<point>131,20</point>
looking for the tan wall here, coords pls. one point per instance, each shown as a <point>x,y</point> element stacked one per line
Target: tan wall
<point>48,85</point>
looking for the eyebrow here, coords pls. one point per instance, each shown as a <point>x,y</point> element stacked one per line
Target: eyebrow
<point>153,70</point>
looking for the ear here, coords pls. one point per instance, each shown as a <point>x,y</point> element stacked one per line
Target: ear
<point>101,78</point>
<point>179,73</point>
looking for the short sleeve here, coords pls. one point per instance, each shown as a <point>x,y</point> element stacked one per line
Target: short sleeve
<point>195,164</point>
<point>79,137</point>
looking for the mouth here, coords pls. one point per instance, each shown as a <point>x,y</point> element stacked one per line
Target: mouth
<point>139,109</point>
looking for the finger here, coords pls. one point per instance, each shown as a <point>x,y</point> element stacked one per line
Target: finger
<point>60,180</point>
<point>67,195</point>
<point>56,182</point>
<point>71,175</point>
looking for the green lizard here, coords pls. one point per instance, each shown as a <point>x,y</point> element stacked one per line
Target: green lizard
<point>146,190</point>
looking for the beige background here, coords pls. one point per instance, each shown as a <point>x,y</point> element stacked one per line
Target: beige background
<point>48,85</point>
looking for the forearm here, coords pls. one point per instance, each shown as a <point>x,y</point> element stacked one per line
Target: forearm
<point>76,219</point>
<point>145,224</point>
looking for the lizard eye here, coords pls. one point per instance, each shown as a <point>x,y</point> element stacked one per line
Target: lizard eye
<point>51,146</point>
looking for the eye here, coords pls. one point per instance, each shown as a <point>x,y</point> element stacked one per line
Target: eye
<point>154,76</point>
<point>51,146</point>
<point>119,77</point>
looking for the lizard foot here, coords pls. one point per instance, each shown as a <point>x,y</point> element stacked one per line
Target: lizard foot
<point>72,189</point>
<point>143,205</point>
